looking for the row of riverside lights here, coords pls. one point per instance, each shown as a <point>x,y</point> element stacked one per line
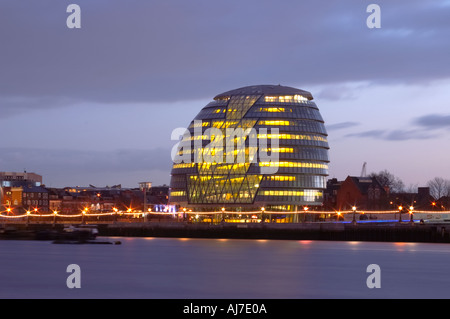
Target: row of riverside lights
<point>130,210</point>
<point>185,210</point>
<point>262,210</point>
<point>400,209</point>
<point>9,210</point>
<point>83,212</point>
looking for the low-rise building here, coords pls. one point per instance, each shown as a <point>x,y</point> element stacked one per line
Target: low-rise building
<point>366,193</point>
<point>11,179</point>
<point>35,197</point>
<point>21,191</point>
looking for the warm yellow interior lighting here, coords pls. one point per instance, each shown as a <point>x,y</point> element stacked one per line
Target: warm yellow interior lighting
<point>278,150</point>
<point>293,137</point>
<point>274,122</point>
<point>280,178</point>
<point>273,109</point>
<point>293,164</point>
<point>310,193</point>
<point>286,99</point>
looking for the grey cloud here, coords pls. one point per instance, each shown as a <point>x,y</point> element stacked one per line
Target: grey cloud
<point>371,133</point>
<point>150,51</point>
<point>347,91</point>
<point>422,128</point>
<point>403,135</point>
<point>433,121</point>
<point>394,135</point>
<point>340,126</point>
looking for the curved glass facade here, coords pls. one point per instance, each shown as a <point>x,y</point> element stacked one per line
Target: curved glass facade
<point>257,146</point>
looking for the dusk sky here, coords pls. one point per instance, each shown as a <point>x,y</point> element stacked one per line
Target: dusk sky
<point>97,105</point>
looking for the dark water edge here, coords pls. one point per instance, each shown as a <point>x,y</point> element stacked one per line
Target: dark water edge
<point>380,232</point>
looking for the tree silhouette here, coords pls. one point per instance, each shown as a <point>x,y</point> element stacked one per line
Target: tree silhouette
<point>387,179</point>
<point>439,187</point>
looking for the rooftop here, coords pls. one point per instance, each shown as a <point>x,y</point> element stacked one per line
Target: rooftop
<point>265,90</point>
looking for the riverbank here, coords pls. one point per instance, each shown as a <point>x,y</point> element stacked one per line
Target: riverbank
<point>380,231</point>
<point>383,232</point>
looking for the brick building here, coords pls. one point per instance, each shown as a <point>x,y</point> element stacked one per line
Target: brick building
<point>366,193</point>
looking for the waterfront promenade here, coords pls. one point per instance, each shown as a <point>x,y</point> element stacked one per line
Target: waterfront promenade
<point>339,231</point>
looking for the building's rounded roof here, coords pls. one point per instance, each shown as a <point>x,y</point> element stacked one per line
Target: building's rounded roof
<point>265,90</point>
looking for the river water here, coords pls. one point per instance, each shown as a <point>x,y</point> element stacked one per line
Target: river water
<point>173,268</point>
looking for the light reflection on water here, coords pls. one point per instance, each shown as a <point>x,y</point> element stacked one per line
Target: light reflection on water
<point>224,268</point>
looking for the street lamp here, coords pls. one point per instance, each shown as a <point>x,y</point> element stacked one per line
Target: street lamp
<point>354,215</point>
<point>54,217</point>
<point>400,208</point>
<point>83,213</point>
<point>305,210</point>
<point>411,209</point>
<point>115,214</point>
<point>223,217</point>
<point>149,211</point>
<point>262,214</point>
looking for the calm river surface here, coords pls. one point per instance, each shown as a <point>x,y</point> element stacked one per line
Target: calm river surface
<point>171,268</point>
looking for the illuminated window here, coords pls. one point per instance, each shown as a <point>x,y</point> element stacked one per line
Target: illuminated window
<point>280,207</point>
<point>178,193</point>
<point>201,178</point>
<point>197,137</point>
<point>286,99</point>
<point>217,124</point>
<point>278,150</point>
<point>232,166</point>
<point>279,178</point>
<point>310,193</point>
<point>274,109</point>
<point>281,123</point>
<point>300,98</point>
<point>293,164</point>
<point>270,98</point>
<point>284,136</point>
<point>199,124</point>
<point>224,124</point>
<point>184,165</point>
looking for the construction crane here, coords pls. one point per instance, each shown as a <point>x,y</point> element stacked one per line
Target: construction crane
<point>363,170</point>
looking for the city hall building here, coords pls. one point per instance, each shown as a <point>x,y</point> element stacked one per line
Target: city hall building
<point>254,149</point>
